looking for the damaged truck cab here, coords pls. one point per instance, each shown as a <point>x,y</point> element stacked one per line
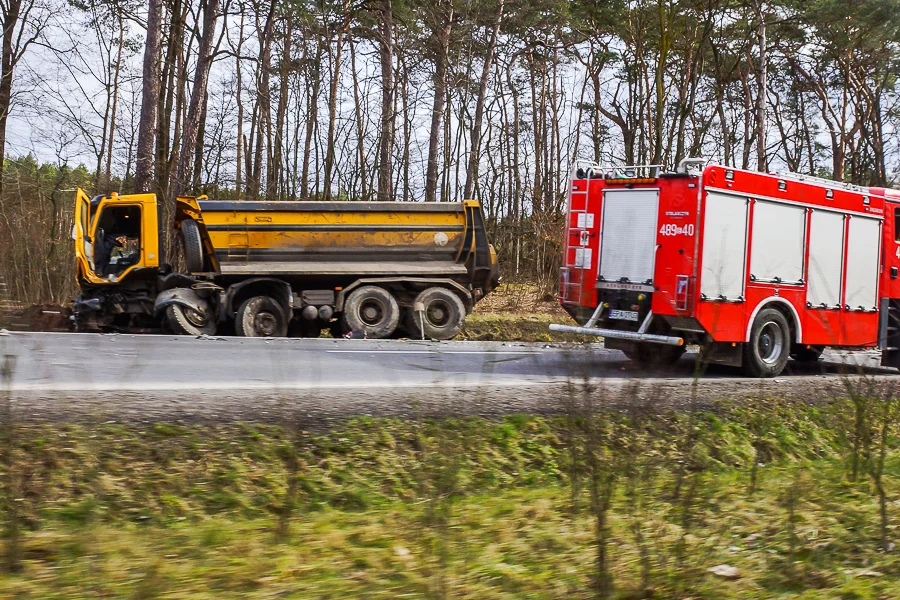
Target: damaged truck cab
<point>267,269</point>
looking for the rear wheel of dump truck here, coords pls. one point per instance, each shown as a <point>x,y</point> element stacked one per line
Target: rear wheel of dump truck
<point>187,321</point>
<point>372,310</point>
<point>261,316</point>
<point>442,317</point>
<point>766,353</point>
<point>193,246</point>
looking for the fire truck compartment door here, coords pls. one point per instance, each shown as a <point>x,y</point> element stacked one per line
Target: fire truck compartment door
<point>826,259</point>
<point>724,247</point>
<point>628,235</point>
<point>863,246</point>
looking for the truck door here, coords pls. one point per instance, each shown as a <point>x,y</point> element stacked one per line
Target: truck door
<point>889,303</point>
<point>84,247</point>
<point>891,281</point>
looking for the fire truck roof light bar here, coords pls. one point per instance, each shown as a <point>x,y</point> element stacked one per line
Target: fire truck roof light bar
<point>622,335</point>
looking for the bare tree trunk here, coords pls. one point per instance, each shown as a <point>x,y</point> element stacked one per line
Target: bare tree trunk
<point>313,117</point>
<point>360,133</point>
<point>198,96</point>
<point>386,145</point>
<point>474,150</point>
<point>276,167</point>
<point>238,183</point>
<point>442,38</point>
<point>149,100</point>
<point>115,101</point>
<point>761,88</point>
<point>332,99</point>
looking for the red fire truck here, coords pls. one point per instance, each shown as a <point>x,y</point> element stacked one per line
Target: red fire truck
<point>753,267</point>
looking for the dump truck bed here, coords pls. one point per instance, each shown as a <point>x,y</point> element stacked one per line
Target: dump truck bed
<point>344,238</point>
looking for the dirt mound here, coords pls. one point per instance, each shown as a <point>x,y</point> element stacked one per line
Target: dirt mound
<point>41,317</point>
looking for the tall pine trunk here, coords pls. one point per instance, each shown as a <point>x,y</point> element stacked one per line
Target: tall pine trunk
<point>149,101</point>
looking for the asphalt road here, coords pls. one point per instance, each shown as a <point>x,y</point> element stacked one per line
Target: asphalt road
<point>145,377</point>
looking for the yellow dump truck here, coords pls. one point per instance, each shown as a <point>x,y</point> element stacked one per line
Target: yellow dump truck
<point>259,269</point>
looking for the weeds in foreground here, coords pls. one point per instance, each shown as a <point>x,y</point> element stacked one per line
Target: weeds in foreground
<point>463,506</point>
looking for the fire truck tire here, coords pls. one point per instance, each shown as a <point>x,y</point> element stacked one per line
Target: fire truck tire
<point>193,246</point>
<point>260,316</point>
<point>443,316</point>
<point>767,351</point>
<point>371,310</point>
<point>185,321</point>
<point>654,355</point>
<point>807,355</point>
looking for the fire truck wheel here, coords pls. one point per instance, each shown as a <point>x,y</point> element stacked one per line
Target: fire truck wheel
<point>372,310</point>
<point>443,316</point>
<point>654,355</point>
<point>260,316</point>
<point>767,351</point>
<point>805,354</point>
<point>193,246</point>
<point>184,321</point>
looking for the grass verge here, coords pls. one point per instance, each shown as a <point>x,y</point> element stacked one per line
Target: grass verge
<point>458,507</point>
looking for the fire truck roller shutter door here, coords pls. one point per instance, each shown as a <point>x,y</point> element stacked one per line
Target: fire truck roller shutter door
<point>628,238</point>
<point>826,259</point>
<point>779,237</point>
<point>863,246</point>
<point>724,247</point>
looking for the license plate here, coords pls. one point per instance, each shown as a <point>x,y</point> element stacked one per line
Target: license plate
<point>624,315</point>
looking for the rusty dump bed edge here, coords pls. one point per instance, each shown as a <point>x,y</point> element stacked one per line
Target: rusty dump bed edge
<point>298,206</point>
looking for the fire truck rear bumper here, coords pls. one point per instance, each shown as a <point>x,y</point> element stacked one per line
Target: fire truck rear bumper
<point>622,335</point>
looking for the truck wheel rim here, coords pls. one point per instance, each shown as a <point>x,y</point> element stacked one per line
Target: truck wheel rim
<point>265,324</point>
<point>770,343</point>
<point>438,313</point>
<point>193,317</point>
<point>371,312</point>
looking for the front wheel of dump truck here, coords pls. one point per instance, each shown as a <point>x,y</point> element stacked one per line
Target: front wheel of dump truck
<point>372,310</point>
<point>261,316</point>
<point>766,353</point>
<point>187,321</point>
<point>193,246</point>
<point>442,317</point>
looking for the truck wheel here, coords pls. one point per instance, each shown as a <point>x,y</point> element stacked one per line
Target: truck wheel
<point>260,316</point>
<point>186,321</point>
<point>443,316</point>
<point>371,309</point>
<point>766,353</point>
<point>193,246</point>
<point>807,355</point>
<point>654,355</point>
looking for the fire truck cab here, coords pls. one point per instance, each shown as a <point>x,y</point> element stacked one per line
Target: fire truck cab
<point>755,268</point>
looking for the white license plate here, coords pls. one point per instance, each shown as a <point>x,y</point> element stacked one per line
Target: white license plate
<point>624,315</point>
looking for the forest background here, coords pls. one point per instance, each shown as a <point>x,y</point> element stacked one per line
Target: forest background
<point>423,100</point>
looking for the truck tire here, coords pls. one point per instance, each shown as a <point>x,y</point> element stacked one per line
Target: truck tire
<point>193,246</point>
<point>371,309</point>
<point>443,316</point>
<point>260,316</point>
<point>766,352</point>
<point>185,321</point>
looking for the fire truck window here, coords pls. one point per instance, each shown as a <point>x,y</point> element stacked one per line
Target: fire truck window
<point>779,236</point>
<point>897,224</point>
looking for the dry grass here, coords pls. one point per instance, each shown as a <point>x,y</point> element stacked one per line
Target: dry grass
<point>463,508</point>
